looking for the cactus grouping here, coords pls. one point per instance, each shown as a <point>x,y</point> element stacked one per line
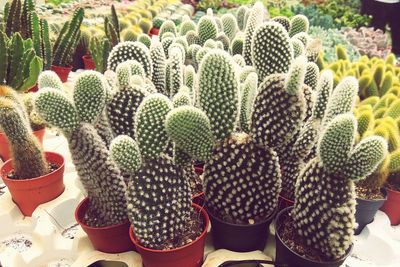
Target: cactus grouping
<point>99,175</point>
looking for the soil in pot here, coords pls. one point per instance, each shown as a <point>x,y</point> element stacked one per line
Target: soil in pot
<point>369,201</point>
<point>290,250</point>
<point>30,193</point>
<point>240,237</point>
<point>4,146</point>
<point>186,250</point>
<point>284,202</point>
<point>108,239</point>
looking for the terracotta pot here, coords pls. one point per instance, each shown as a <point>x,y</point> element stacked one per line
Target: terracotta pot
<point>4,146</point>
<point>28,194</point>
<point>284,255</point>
<point>392,206</point>
<point>62,72</point>
<point>284,202</point>
<point>190,255</point>
<point>88,62</point>
<point>108,239</point>
<point>239,237</point>
<point>366,210</point>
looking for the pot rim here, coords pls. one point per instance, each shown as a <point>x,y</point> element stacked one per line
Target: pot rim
<point>383,191</point>
<point>15,181</point>
<point>349,250</point>
<point>392,191</point>
<point>285,198</point>
<point>62,67</point>
<point>201,236</point>
<point>81,223</point>
<point>269,218</point>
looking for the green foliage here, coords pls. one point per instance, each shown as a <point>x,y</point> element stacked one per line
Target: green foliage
<point>100,50</point>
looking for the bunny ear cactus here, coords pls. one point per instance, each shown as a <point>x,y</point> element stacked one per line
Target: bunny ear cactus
<point>206,29</point>
<point>230,26</point>
<point>236,46</point>
<point>331,235</point>
<point>130,51</point>
<point>167,26</point>
<point>271,50</point>
<point>186,26</point>
<point>284,21</point>
<point>312,75</point>
<point>175,65</point>
<point>99,175</point>
<point>26,152</point>
<point>49,79</point>
<point>218,88</point>
<point>248,92</point>
<point>158,62</point>
<point>298,23</point>
<point>256,18</point>
<point>240,15</point>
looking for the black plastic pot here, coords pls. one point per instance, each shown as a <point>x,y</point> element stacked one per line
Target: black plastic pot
<point>366,210</point>
<point>284,255</point>
<point>238,237</point>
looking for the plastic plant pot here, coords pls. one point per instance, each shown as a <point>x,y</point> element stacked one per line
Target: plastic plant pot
<point>238,237</point>
<point>366,210</point>
<point>33,89</point>
<point>199,198</point>
<point>108,239</point>
<point>190,255</point>
<point>284,202</point>
<point>4,146</point>
<point>88,62</point>
<point>62,72</point>
<point>28,194</point>
<point>154,31</point>
<point>284,255</point>
<point>392,206</point>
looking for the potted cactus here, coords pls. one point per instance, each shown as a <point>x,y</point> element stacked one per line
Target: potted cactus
<point>391,205</point>
<point>305,237</point>
<point>102,214</point>
<point>167,229</point>
<point>32,176</point>
<point>65,45</point>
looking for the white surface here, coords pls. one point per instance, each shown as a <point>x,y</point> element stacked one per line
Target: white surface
<point>377,246</point>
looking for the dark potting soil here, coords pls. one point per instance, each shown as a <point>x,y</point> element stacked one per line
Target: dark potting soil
<point>193,229</point>
<point>289,236</point>
<point>393,182</point>
<point>196,184</point>
<point>12,175</point>
<point>229,219</point>
<point>365,192</point>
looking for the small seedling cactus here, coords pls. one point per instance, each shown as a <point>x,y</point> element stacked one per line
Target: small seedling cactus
<point>100,177</point>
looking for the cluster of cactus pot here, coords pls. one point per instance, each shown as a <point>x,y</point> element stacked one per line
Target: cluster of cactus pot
<point>241,92</point>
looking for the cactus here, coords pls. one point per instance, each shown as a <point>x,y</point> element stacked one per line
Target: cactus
<point>298,24</point>
<point>230,26</point>
<point>157,56</point>
<point>186,26</point>
<point>144,39</point>
<point>130,50</point>
<point>191,37</point>
<point>67,40</point>
<point>49,79</point>
<point>145,24</point>
<point>99,175</point>
<point>20,65</point>
<point>240,15</point>
<point>271,50</point>
<point>284,21</point>
<point>312,75</point>
<point>175,65</point>
<point>298,47</point>
<point>167,26</point>
<point>217,76</point>
<point>331,235</point>
<point>248,92</point>
<point>256,18</point>
<point>206,29</point>
<point>236,47</point>
<point>13,23</point>
<point>100,50</point>
<point>26,152</point>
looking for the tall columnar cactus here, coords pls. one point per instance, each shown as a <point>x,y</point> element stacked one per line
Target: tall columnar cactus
<point>100,50</point>
<point>206,29</point>
<point>256,18</point>
<point>271,50</point>
<point>26,152</point>
<point>130,51</point>
<point>67,40</point>
<point>99,175</point>
<point>20,66</point>
<point>326,187</point>
<point>157,56</point>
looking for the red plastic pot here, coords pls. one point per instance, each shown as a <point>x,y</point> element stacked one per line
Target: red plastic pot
<point>199,199</point>
<point>154,31</point>
<point>33,89</point>
<point>392,206</point>
<point>30,193</point>
<point>109,239</point>
<point>190,255</point>
<point>62,72</point>
<point>88,62</point>
<point>284,203</point>
<point>4,146</point>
